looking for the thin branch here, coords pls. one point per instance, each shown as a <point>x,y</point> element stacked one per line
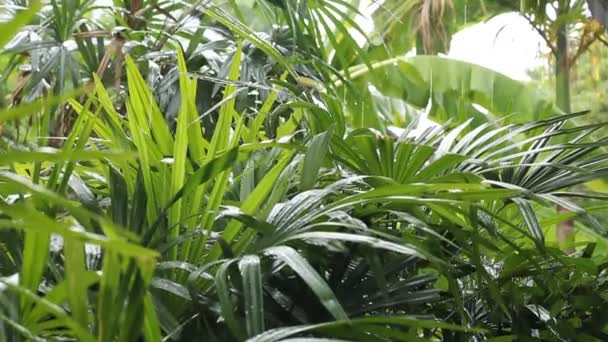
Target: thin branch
<point>582,48</point>
<point>542,34</point>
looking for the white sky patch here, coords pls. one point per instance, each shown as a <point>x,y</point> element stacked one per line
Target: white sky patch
<point>506,43</point>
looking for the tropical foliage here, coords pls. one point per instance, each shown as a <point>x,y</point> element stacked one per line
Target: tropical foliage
<point>251,170</point>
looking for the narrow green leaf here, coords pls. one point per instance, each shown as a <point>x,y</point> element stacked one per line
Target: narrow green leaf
<point>317,149</point>
<point>253,203</point>
<point>27,109</point>
<point>246,32</point>
<point>360,323</point>
<point>119,197</point>
<point>74,272</point>
<point>219,142</point>
<point>180,150</point>
<point>405,249</point>
<point>226,304</point>
<point>60,294</point>
<point>110,229</point>
<point>147,113</point>
<point>108,301</point>
<point>251,272</point>
<point>31,220</point>
<point>252,222</point>
<point>9,29</point>
<point>35,255</point>
<point>208,171</point>
<point>151,328</point>
<point>531,221</point>
<point>443,165</point>
<point>311,277</point>
<point>80,333</point>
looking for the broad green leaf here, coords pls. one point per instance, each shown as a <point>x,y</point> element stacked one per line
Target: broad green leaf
<point>416,79</point>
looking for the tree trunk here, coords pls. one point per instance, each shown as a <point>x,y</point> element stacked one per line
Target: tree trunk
<point>562,70</point>
<point>565,232</point>
<point>419,44</point>
<point>599,11</point>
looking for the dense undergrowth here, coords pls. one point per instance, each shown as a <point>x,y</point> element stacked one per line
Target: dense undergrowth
<point>254,187</point>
